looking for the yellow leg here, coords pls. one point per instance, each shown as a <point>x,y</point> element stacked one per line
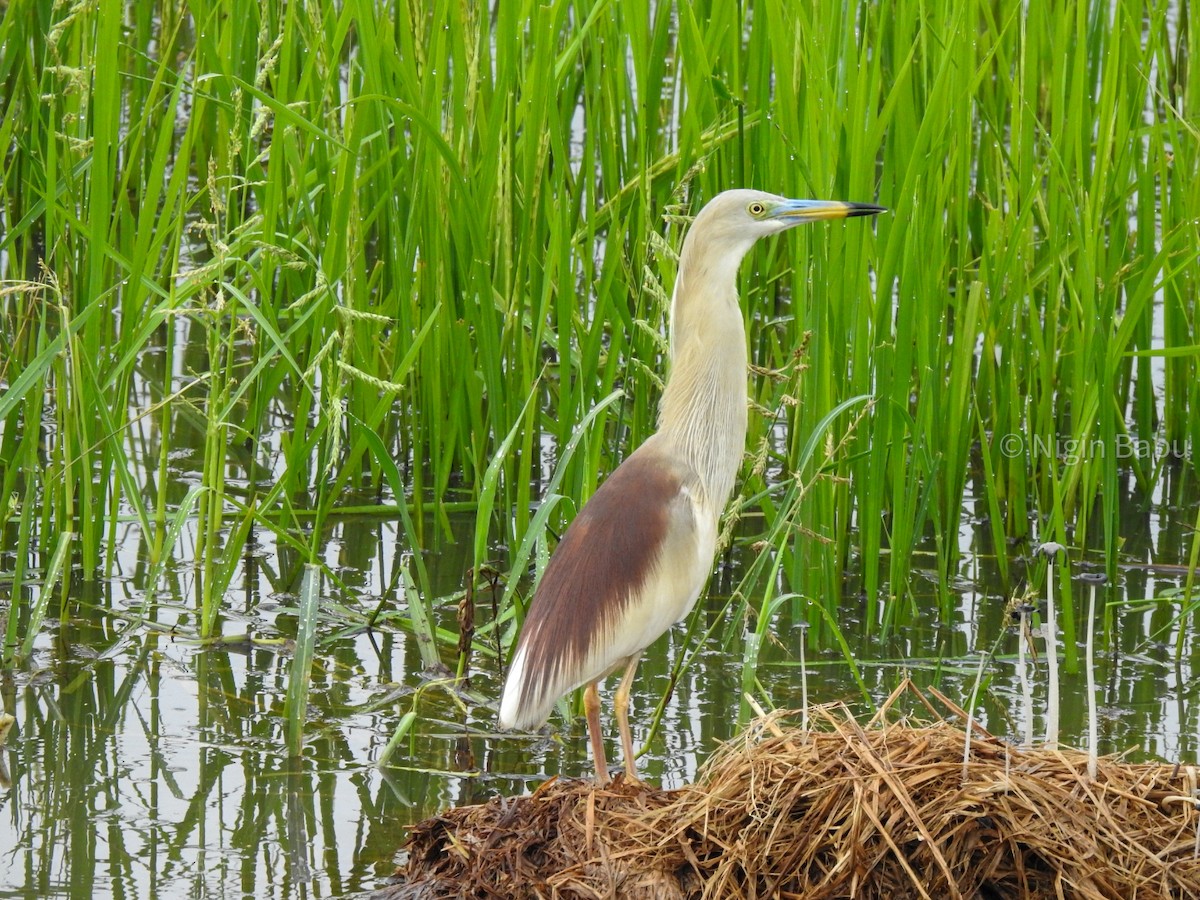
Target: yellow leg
<point>591,708</point>
<point>622,703</point>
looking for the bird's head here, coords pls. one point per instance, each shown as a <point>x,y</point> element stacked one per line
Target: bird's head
<point>734,220</point>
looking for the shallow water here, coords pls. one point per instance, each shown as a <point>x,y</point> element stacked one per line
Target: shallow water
<point>147,765</point>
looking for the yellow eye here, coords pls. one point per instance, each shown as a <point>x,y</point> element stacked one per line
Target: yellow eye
<point>756,209</point>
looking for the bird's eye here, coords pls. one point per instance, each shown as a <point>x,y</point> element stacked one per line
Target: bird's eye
<point>756,209</point>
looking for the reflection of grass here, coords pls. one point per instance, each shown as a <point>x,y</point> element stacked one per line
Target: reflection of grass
<point>351,250</point>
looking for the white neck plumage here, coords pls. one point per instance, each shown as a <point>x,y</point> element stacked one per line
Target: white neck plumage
<point>703,409</point>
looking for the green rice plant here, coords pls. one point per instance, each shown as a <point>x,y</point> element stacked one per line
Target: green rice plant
<point>422,624</point>
<point>55,571</point>
<point>1188,604</point>
<point>295,708</point>
<point>407,726</point>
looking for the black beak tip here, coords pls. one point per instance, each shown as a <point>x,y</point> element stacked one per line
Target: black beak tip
<point>865,209</point>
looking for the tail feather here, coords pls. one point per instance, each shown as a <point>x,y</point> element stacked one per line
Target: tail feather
<point>520,705</point>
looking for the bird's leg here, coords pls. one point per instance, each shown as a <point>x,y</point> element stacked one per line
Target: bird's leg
<point>622,703</point>
<point>591,708</point>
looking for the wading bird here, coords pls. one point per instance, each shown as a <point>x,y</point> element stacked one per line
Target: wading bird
<point>635,559</point>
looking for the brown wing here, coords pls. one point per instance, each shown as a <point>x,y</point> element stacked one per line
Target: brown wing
<point>627,568</point>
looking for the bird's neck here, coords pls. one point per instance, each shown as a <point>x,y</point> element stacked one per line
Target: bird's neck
<point>703,409</point>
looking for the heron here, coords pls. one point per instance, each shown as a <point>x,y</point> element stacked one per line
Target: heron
<point>634,560</point>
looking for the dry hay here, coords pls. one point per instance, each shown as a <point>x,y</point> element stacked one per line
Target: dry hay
<point>884,810</point>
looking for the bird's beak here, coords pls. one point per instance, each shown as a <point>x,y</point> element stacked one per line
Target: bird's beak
<point>796,211</point>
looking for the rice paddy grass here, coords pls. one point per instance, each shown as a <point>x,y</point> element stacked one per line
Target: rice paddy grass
<point>263,265</point>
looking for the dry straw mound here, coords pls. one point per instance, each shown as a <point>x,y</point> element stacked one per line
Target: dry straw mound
<point>884,810</point>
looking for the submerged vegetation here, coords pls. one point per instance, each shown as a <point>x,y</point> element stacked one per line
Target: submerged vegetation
<point>264,264</point>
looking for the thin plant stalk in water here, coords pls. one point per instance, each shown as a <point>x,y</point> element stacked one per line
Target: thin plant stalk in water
<point>1093,750</point>
<point>970,724</point>
<point>1050,630</point>
<point>1023,610</point>
<point>803,679</point>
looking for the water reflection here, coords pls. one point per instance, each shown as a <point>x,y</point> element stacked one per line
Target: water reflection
<point>157,769</point>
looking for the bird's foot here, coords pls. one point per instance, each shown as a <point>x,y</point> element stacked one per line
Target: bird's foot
<point>630,778</point>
